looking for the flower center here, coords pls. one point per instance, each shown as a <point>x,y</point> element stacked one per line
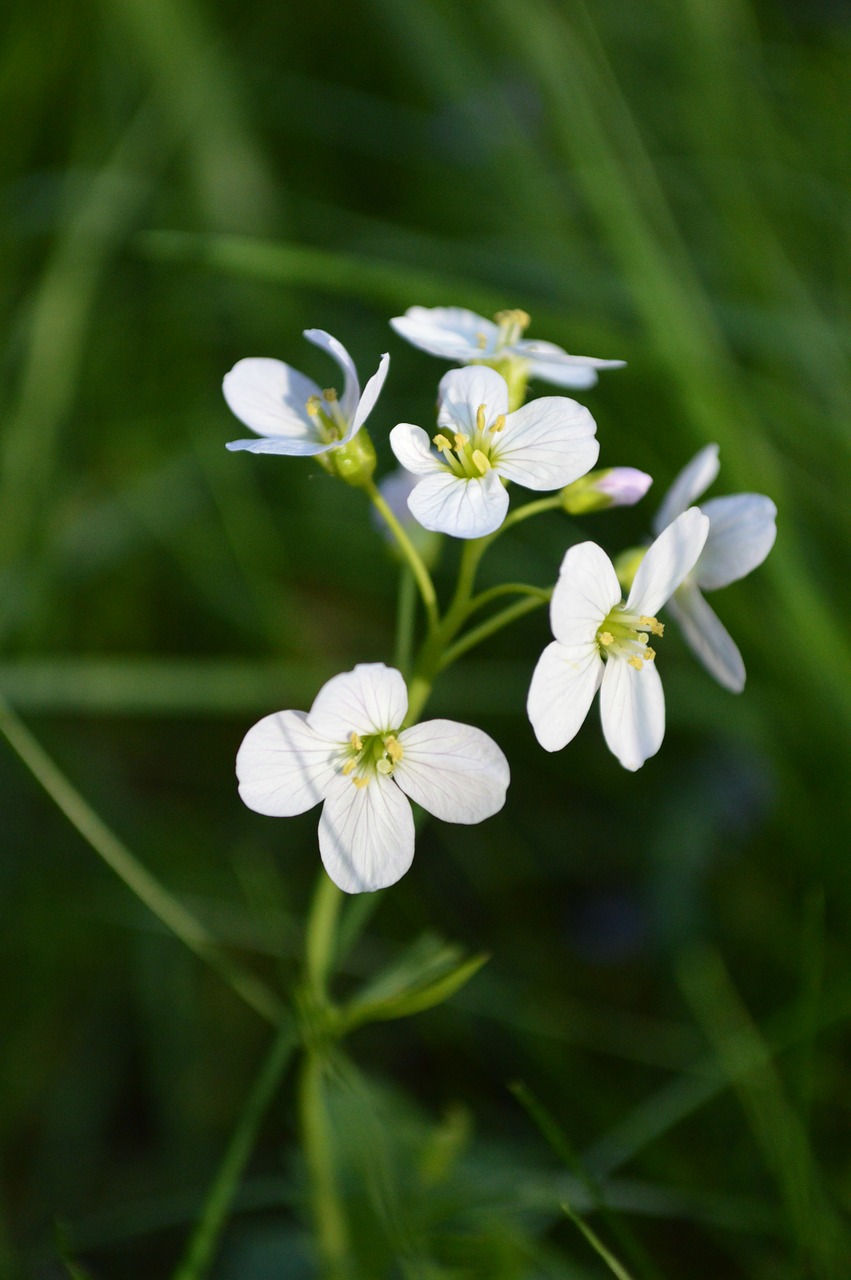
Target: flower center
<point>469,457</point>
<point>511,327</point>
<point>374,753</point>
<point>625,635</point>
<point>327,416</point>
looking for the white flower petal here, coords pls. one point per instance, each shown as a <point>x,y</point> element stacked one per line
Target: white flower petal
<point>351,387</point>
<point>563,686</point>
<point>371,392</point>
<point>371,699</point>
<point>547,444</point>
<point>452,332</point>
<point>587,588</point>
<point>742,529</point>
<point>553,364</point>
<point>461,393</point>
<point>667,562</point>
<point>707,636</point>
<point>463,508</point>
<point>289,447</point>
<point>632,709</point>
<point>453,770</point>
<point>366,834</point>
<point>413,450</point>
<point>694,479</point>
<point>271,398</point>
<point>283,766</point>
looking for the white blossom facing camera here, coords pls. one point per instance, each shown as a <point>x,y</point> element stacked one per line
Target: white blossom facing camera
<point>289,411</point>
<point>351,752</point>
<point>602,643</point>
<point>544,445</point>
<point>463,336</point>
<point>742,529</point>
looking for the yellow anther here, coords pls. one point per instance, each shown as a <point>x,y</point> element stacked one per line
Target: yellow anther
<point>481,461</point>
<point>330,395</point>
<point>520,318</point>
<point>499,423</point>
<point>461,441</point>
<point>314,404</point>
<point>441,442</point>
<point>481,341</point>
<point>636,662</point>
<point>360,782</point>
<point>480,418</point>
<point>384,766</point>
<point>355,741</point>
<point>349,767</point>
<point>649,655</point>
<point>393,747</point>
<point>607,638</point>
<point>652,624</point>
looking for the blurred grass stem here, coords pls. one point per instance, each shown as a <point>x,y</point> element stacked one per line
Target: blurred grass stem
<point>409,551</point>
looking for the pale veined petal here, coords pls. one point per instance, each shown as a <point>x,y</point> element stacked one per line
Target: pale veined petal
<point>366,834</point>
<point>452,332</point>
<point>742,529</point>
<point>283,766</point>
<point>351,387</point>
<point>371,392</point>
<point>694,479</point>
<point>632,710</point>
<point>283,445</point>
<point>707,636</point>
<point>271,398</point>
<point>563,686</point>
<point>413,450</point>
<point>453,770</point>
<point>461,393</point>
<point>462,508</point>
<point>371,699</point>
<point>553,364</point>
<point>587,588</point>
<point>668,560</point>
<point>547,444</point>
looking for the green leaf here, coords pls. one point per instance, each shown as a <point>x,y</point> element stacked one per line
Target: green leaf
<point>427,973</point>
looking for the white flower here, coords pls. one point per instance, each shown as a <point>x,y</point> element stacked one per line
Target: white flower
<point>544,445</point>
<point>601,643</point>
<point>461,335</point>
<point>289,411</point>
<point>351,751</point>
<point>742,529</point>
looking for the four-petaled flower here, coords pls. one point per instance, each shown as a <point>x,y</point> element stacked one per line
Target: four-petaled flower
<point>602,643</point>
<point>461,335</point>
<point>351,751</point>
<point>289,411</point>
<point>742,529</point>
<point>544,445</point>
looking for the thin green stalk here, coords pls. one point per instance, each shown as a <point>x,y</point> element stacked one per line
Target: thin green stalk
<point>518,514</point>
<point>332,1234</point>
<point>201,1249</point>
<point>405,611</point>
<point>409,551</point>
<point>168,909</point>
<point>492,625</point>
<point>321,935</point>
<point>508,588</point>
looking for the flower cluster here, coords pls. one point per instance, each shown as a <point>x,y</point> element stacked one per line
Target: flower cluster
<point>360,750</point>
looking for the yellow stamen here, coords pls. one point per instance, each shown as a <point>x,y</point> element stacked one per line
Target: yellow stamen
<point>499,423</point>
<point>349,767</point>
<point>360,782</point>
<point>314,404</point>
<point>513,316</point>
<point>330,395</point>
<point>441,442</point>
<point>481,461</point>
<point>393,748</point>
<point>649,655</point>
<point>481,341</point>
<point>461,441</point>
<point>356,742</point>
<point>607,638</point>
<point>480,418</point>
<point>636,662</point>
<point>652,624</point>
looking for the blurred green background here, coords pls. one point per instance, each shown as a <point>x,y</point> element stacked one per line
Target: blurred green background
<point>186,183</point>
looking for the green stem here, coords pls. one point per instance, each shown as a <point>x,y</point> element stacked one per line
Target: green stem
<point>168,909</point>
<point>332,1233</point>
<point>203,1243</point>
<point>409,551</point>
<point>518,514</point>
<point>405,620</point>
<point>508,588</point>
<point>321,936</point>
<point>488,628</point>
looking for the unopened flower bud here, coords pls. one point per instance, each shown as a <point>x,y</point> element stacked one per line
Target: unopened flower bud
<point>600,490</point>
<point>626,565</point>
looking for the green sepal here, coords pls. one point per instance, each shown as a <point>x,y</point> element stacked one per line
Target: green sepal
<point>353,462</point>
<point>427,973</point>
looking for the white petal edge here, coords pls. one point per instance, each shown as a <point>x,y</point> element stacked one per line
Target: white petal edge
<point>366,834</point>
<point>563,685</point>
<point>370,699</point>
<point>667,561</point>
<point>552,363</point>
<point>707,637</point>
<point>546,444</point>
<point>283,766</point>
<point>288,447</point>
<point>587,588</point>
<point>462,508</point>
<point>270,397</point>
<point>371,392</point>
<point>452,332</point>
<point>413,450</point>
<point>462,391</point>
<point>351,387</point>
<point>632,711</point>
<point>694,479</point>
<point>742,529</point>
<point>455,771</point>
